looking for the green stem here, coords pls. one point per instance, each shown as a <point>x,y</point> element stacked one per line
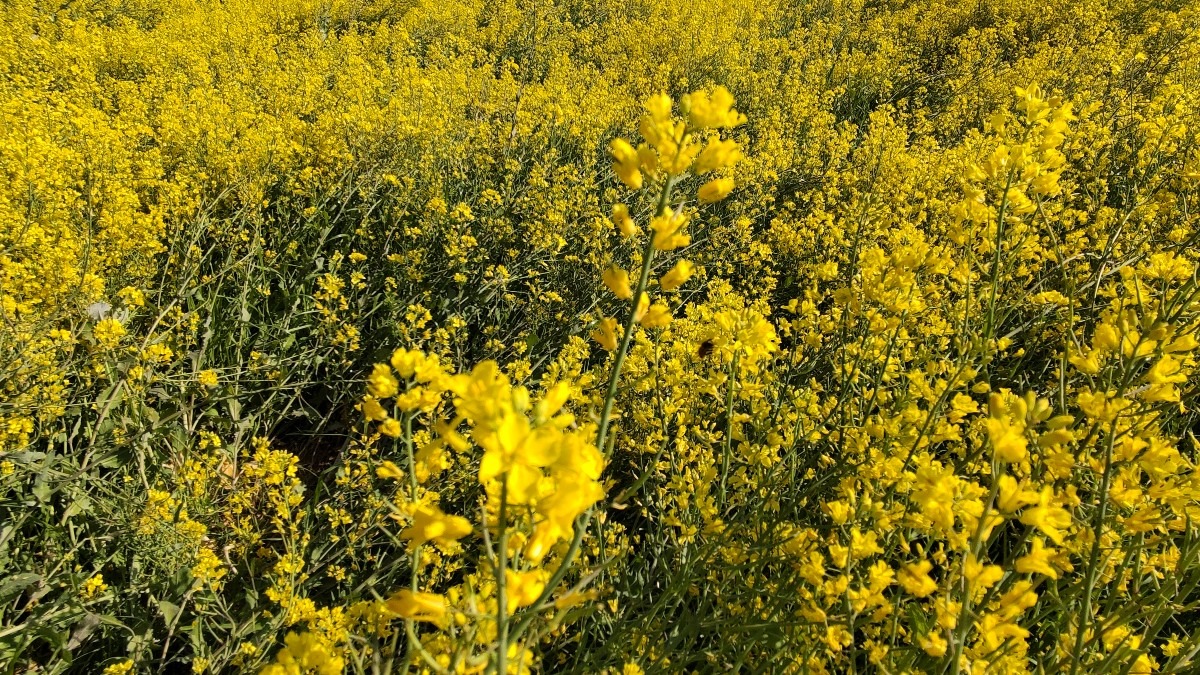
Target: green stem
<point>731,379</point>
<point>1094,556</point>
<point>623,350</point>
<point>415,562</point>
<point>963,627</point>
<point>581,523</point>
<point>995,272</point>
<point>501,590</point>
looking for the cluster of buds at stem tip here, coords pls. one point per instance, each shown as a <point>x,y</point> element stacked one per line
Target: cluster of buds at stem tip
<point>673,146</point>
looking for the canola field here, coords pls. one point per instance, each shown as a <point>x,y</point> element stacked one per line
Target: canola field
<point>599,336</point>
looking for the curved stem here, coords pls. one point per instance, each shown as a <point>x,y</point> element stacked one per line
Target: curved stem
<point>627,337</point>
<point>1085,618</point>
<point>582,522</point>
<point>730,381</point>
<point>501,581</point>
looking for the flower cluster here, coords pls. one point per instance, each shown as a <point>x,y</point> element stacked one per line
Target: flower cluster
<point>672,147</point>
<point>538,469</point>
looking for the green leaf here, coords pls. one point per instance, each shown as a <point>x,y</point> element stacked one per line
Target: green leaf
<point>81,504</point>
<point>41,490</point>
<point>917,617</point>
<point>15,584</point>
<point>84,629</point>
<point>169,611</point>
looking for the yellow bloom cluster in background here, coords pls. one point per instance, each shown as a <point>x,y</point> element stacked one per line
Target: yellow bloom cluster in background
<point>603,337</point>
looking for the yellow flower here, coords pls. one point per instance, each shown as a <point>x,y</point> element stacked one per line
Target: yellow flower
<point>306,653</point>
<point>625,163</point>
<point>207,378</point>
<point>372,410</point>
<point>1017,599</point>
<point>715,190</point>
<point>617,281</point>
<point>119,668</point>
<point>711,111</point>
<point>418,606</point>
<point>980,575</point>
<point>577,474</point>
<point>934,644</point>
<point>93,587</point>
<point>1037,560</point>
<point>1006,434</point>
<point>387,470</point>
<point>391,427</point>
<point>643,304</point>
<point>134,297</point>
<point>916,580</point>
<point>994,631</point>
<point>606,333</point>
<point>1048,517</point>
<point>208,570</point>
<point>677,276</point>
<point>624,223</point>
<point>649,159</point>
<point>1011,495</point>
<point>1186,343</point>
<point>657,315</point>
<point>1106,338</point>
<point>430,523</point>
<point>108,333</point>
<point>718,154</point>
<point>523,588</point>
<point>382,383</point>
<point>1166,370</point>
<point>667,227</point>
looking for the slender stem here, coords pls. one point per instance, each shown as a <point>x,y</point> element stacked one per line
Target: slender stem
<point>581,523</point>
<point>1094,556</point>
<point>410,627</point>
<point>730,381</point>
<point>995,272</point>
<point>501,590</point>
<point>963,627</point>
<point>627,337</point>
<point>999,243</point>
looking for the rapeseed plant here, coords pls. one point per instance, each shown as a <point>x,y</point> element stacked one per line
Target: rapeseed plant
<point>598,337</point>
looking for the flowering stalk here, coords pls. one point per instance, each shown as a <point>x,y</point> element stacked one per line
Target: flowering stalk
<point>501,590</point>
<point>585,520</point>
<point>410,629</point>
<point>669,152</point>
<point>728,447</point>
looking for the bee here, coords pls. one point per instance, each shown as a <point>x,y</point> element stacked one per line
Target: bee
<point>705,349</point>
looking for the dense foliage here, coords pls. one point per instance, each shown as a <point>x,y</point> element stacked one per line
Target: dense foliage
<point>596,336</point>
